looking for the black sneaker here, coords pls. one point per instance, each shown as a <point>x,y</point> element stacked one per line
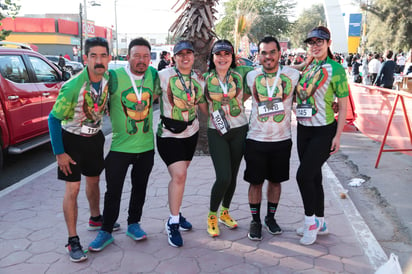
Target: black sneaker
<point>173,234</point>
<point>75,251</point>
<point>272,227</point>
<point>255,231</point>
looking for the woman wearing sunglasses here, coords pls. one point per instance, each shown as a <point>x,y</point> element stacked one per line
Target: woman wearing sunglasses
<point>318,133</point>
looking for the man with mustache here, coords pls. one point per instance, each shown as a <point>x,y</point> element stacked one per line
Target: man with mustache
<point>77,140</point>
<point>268,141</point>
<point>132,91</point>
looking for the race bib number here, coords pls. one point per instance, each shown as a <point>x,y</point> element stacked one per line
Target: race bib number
<point>269,108</point>
<point>89,130</point>
<point>220,122</point>
<point>304,112</point>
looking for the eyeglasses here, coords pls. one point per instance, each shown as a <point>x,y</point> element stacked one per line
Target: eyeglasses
<point>317,42</point>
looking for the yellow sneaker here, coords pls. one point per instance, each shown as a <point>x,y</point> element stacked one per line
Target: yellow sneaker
<point>212,227</point>
<point>227,220</point>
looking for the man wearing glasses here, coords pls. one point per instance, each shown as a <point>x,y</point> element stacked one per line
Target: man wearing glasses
<point>268,141</point>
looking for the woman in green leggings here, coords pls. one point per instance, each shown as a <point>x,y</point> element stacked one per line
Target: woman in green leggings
<point>227,128</point>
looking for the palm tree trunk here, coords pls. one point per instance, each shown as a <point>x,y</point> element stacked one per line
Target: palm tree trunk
<point>196,23</point>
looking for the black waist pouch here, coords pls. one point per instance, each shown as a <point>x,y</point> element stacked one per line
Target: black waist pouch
<point>175,126</point>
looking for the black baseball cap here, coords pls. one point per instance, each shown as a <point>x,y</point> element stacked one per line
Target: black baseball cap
<point>222,46</point>
<point>181,45</point>
<point>317,33</point>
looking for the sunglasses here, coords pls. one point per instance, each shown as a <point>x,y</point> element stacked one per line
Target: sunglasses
<point>317,42</point>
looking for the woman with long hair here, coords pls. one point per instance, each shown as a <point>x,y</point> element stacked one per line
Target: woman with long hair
<point>318,133</point>
<point>227,128</point>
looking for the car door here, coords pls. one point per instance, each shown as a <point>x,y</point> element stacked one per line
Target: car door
<point>48,82</point>
<point>22,99</point>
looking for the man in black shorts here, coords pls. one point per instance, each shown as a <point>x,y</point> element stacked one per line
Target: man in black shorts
<point>77,140</point>
<point>268,142</point>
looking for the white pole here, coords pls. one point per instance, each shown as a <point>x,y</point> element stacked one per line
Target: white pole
<point>86,29</point>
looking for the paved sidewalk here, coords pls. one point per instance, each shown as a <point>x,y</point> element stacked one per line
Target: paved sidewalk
<point>33,231</point>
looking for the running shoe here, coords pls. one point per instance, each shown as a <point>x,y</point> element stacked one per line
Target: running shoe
<point>75,251</point>
<point>183,223</point>
<point>102,240</point>
<point>227,220</point>
<point>135,232</point>
<point>310,231</point>
<point>97,225</point>
<point>255,231</point>
<point>212,227</point>
<point>322,231</point>
<point>271,226</point>
<point>173,234</point>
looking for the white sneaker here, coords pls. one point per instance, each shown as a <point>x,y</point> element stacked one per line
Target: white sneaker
<point>310,230</point>
<point>322,231</point>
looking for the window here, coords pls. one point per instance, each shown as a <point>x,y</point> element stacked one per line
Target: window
<point>43,71</point>
<point>13,68</point>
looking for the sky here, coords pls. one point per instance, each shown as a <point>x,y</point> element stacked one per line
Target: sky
<point>133,16</point>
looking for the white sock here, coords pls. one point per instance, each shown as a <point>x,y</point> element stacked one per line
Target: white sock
<point>174,219</point>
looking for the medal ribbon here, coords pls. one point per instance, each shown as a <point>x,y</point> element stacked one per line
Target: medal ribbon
<point>137,92</point>
<point>187,90</point>
<point>95,95</point>
<point>225,85</point>
<point>271,89</point>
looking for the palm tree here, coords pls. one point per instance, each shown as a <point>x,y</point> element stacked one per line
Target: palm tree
<point>196,23</point>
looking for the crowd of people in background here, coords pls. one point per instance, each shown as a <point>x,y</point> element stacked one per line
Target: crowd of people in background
<point>379,69</point>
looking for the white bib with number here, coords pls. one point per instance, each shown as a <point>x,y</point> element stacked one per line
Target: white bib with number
<point>304,112</point>
<point>273,107</point>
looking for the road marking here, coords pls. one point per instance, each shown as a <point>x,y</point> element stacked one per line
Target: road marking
<point>367,240</point>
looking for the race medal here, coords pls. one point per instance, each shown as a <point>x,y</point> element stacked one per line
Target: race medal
<point>269,103</point>
<point>304,112</point>
<point>219,121</point>
<point>140,107</point>
<point>225,100</point>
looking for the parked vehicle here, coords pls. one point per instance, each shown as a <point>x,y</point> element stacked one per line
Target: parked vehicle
<point>114,64</point>
<point>29,86</point>
<point>71,66</point>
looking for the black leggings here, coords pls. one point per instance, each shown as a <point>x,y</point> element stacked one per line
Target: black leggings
<point>116,166</point>
<point>226,152</point>
<point>313,148</point>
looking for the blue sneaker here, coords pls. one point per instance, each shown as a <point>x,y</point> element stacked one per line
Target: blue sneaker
<point>102,240</point>
<point>97,225</point>
<point>183,223</point>
<point>135,232</point>
<point>75,251</point>
<point>173,234</point>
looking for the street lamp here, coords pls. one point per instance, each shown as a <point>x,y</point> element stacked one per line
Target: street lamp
<point>86,29</point>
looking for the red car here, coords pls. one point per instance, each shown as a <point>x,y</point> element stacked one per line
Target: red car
<point>29,85</point>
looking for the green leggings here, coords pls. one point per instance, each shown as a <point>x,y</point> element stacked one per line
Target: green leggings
<point>226,152</point>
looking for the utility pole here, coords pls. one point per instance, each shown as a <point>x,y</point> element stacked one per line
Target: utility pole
<point>117,37</point>
<point>81,32</point>
<point>86,29</point>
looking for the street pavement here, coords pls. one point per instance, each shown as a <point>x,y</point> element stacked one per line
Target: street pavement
<point>33,231</point>
<point>384,199</point>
